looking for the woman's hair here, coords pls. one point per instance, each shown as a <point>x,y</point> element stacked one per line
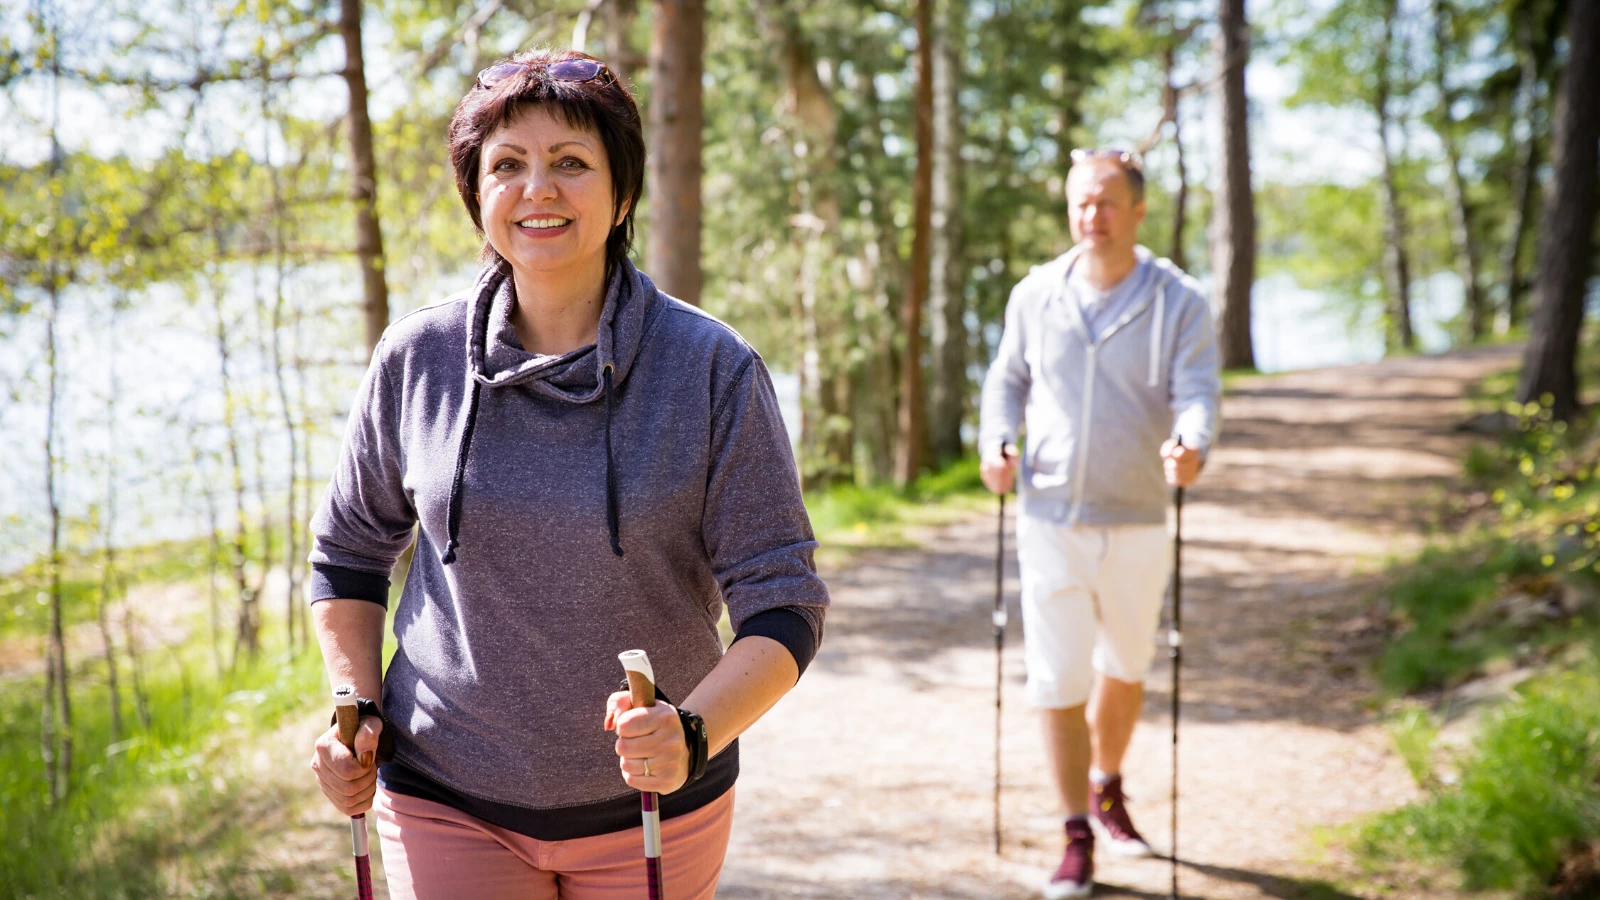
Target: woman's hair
<point>601,105</point>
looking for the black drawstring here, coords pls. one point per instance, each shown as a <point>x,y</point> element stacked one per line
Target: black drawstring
<point>453,512</point>
<point>611,481</point>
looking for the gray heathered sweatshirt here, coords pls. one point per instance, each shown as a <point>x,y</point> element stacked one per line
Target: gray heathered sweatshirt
<point>507,654</point>
<point>1098,409</point>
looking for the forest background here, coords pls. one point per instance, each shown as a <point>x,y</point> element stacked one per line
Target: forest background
<point>209,209</point>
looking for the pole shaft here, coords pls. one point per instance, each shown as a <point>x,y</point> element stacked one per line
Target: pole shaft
<point>642,692</point>
<point>1175,642</point>
<point>349,720</point>
<point>998,618</point>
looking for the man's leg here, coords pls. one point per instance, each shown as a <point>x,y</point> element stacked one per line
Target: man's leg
<point>1058,626</point>
<point>1130,583</point>
<point>1066,742</point>
<point>1113,712</point>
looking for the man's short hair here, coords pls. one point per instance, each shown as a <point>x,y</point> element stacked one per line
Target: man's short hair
<point>1126,160</point>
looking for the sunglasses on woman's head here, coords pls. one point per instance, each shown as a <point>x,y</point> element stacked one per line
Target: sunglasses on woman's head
<point>572,70</point>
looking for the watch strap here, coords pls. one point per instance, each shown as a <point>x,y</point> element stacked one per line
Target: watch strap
<point>364,708</point>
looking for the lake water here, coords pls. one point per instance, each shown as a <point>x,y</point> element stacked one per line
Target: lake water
<point>169,408</point>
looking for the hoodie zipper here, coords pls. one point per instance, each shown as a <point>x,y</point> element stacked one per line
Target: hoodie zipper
<point>1084,418</point>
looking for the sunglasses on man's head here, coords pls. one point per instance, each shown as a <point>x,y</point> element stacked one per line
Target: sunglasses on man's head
<point>1122,158</point>
<point>572,70</point>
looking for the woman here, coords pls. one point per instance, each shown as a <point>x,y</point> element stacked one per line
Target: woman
<point>595,467</point>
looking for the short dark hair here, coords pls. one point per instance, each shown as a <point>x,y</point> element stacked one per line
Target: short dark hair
<point>1129,162</point>
<point>602,105</point>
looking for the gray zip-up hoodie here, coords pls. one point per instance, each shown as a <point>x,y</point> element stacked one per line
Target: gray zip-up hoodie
<point>571,508</point>
<point>1098,410</point>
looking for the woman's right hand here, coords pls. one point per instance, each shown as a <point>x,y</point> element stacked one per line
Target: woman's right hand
<point>348,779</point>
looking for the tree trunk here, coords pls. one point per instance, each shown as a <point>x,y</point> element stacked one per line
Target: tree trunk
<point>292,525</point>
<point>676,116</point>
<point>1172,110</point>
<point>826,426</point>
<point>1523,179</point>
<point>1396,264</point>
<point>108,523</point>
<point>58,761</point>
<point>875,407</point>
<point>947,332</point>
<point>59,712</point>
<point>364,178</point>
<point>1461,218</point>
<point>249,624</point>
<point>1233,253</point>
<point>130,641</point>
<point>913,434</point>
<point>620,55</point>
<point>1566,232</point>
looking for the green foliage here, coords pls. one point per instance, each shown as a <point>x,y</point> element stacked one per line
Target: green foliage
<point>850,515</point>
<point>1527,793</point>
<point>142,808</point>
<point>1512,583</point>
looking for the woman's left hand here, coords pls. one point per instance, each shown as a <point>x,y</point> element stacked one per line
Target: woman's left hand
<point>649,740</point>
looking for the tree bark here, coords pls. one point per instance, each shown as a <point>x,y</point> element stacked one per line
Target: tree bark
<point>1461,218</point>
<point>364,175</point>
<point>875,407</point>
<point>248,625</point>
<point>58,712</point>
<point>1233,254</point>
<point>621,58</point>
<point>947,332</point>
<point>1523,179</point>
<point>908,460</point>
<point>108,523</point>
<point>1172,110</point>
<point>1566,232</point>
<point>58,759</point>
<point>676,60</point>
<point>826,426</point>
<point>292,525</point>
<point>1397,266</point>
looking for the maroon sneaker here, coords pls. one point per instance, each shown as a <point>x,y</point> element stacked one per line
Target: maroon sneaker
<point>1075,876</point>
<point>1112,821</point>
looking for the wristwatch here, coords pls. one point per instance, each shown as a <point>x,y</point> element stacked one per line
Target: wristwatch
<point>694,734</point>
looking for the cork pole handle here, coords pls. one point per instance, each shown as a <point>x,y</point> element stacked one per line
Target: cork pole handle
<point>349,719</point>
<point>641,678</point>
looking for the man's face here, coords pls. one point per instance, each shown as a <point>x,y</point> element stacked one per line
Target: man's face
<point>1101,210</point>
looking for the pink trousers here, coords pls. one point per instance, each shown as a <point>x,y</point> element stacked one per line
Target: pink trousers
<point>434,852</point>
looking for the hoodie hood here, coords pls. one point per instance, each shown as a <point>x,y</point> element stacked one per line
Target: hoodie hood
<point>496,358</point>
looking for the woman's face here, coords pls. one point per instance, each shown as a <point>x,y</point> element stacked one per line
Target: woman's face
<point>545,193</point>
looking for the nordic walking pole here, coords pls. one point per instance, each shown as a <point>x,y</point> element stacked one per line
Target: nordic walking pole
<point>998,618</point>
<point>642,690</point>
<point>344,708</point>
<point>1175,651</point>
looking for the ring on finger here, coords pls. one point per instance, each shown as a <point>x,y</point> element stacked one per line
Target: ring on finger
<point>647,768</point>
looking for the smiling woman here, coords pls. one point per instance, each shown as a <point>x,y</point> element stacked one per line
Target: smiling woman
<point>594,467</point>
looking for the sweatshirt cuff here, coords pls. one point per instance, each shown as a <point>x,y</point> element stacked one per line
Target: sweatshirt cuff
<point>331,582</point>
<point>786,626</point>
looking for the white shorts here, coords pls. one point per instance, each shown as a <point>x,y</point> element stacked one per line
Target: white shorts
<point>1091,601</point>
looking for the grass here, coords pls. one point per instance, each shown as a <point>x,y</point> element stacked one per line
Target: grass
<point>1526,795</point>
<point>1513,582</point>
<point>848,518</point>
<point>24,605</point>
<point>1516,575</point>
<point>139,808</point>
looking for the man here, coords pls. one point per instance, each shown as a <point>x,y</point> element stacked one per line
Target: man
<point>1109,356</point>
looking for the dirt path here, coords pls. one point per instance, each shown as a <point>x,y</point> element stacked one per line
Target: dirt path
<point>872,780</point>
